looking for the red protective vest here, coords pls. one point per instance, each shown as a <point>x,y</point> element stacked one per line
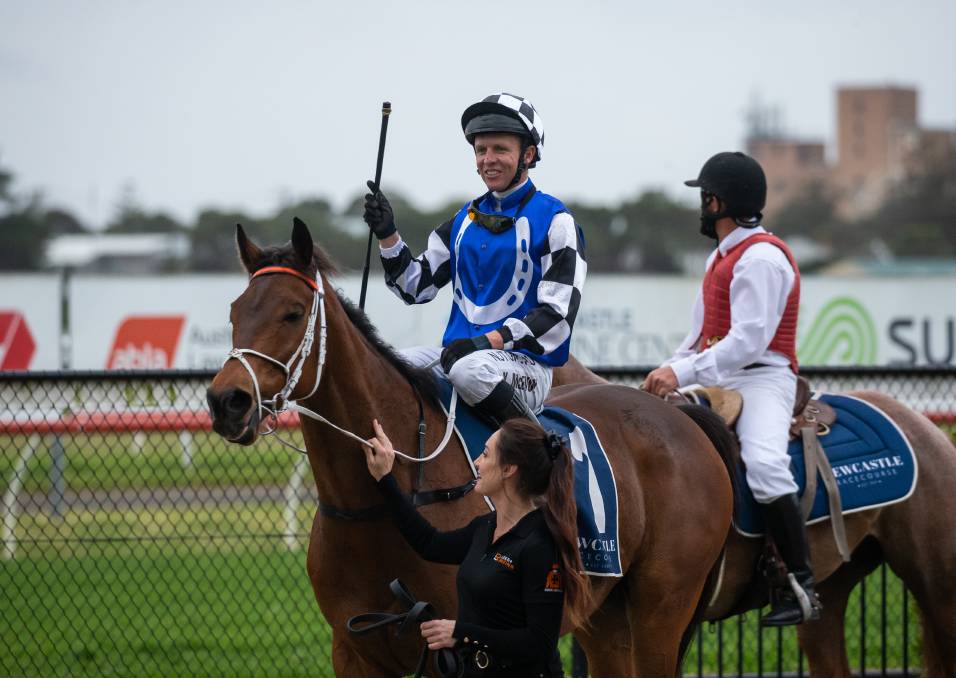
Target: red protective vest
<point>716,293</point>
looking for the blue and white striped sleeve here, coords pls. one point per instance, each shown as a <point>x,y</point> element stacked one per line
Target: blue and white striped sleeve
<point>417,280</point>
<point>563,269</point>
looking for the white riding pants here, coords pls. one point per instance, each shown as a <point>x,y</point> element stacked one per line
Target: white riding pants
<point>475,375</point>
<point>763,429</point>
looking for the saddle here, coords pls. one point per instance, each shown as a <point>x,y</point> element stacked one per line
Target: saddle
<point>811,420</point>
<point>416,612</point>
<point>807,412</point>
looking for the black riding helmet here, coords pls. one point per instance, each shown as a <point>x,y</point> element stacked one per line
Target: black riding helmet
<point>494,122</point>
<point>738,180</point>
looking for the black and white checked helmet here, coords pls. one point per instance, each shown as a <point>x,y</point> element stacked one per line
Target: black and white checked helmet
<point>504,113</point>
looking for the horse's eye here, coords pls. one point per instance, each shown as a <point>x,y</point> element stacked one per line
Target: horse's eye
<point>294,316</point>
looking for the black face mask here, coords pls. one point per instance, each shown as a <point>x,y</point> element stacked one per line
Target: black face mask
<point>708,226</point>
<point>708,220</point>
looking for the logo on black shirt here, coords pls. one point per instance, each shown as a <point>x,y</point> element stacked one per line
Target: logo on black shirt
<point>553,582</point>
<point>505,561</point>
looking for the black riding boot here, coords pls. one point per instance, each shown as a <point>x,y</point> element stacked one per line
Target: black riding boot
<point>504,403</point>
<point>786,527</point>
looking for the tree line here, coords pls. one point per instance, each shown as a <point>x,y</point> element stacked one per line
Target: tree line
<point>649,233</point>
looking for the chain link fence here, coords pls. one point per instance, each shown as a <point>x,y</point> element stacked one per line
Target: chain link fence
<point>136,542</point>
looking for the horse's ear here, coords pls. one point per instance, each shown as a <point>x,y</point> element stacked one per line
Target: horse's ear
<point>248,251</point>
<point>302,242</point>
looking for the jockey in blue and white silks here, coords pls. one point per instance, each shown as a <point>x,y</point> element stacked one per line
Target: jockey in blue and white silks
<point>515,259</point>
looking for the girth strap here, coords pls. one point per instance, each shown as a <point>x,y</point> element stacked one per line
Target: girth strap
<point>814,460</point>
<point>372,513</point>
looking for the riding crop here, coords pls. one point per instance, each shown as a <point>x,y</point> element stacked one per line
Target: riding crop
<point>386,111</point>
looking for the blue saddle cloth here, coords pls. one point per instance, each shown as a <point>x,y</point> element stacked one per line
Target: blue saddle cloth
<point>872,462</point>
<point>594,487</point>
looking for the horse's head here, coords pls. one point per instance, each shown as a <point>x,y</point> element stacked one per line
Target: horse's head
<point>274,322</point>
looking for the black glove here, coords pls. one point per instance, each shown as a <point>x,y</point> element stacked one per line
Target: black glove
<point>459,348</point>
<point>378,213</point>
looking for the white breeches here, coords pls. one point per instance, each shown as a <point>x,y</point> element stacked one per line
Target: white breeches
<point>475,375</point>
<point>763,429</point>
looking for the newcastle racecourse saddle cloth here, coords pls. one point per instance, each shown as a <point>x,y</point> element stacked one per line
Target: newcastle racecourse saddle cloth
<point>595,489</point>
<point>857,453</point>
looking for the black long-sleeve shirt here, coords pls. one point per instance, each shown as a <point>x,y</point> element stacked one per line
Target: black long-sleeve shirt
<point>510,594</point>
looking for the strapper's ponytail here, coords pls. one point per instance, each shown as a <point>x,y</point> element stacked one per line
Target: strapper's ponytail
<point>546,472</point>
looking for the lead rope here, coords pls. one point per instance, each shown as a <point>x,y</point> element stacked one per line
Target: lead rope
<point>449,428</point>
<point>281,402</point>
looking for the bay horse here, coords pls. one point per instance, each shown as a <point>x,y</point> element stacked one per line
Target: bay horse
<point>296,339</point>
<point>916,538</point>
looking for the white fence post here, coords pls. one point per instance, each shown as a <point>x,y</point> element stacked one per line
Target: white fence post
<point>292,490</point>
<point>10,506</point>
<point>186,440</point>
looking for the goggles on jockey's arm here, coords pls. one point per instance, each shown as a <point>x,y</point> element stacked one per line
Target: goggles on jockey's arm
<point>496,223</point>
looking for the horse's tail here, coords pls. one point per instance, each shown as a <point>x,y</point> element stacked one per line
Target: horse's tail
<point>727,447</point>
<point>721,437</point>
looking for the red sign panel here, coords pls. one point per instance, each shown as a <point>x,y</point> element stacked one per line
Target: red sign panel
<point>146,342</point>
<point>16,342</point>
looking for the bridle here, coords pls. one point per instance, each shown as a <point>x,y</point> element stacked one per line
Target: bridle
<point>283,400</point>
<point>293,367</point>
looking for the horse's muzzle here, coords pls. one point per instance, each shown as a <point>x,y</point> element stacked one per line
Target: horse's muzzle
<point>234,416</point>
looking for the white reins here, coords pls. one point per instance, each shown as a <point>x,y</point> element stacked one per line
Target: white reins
<point>283,401</point>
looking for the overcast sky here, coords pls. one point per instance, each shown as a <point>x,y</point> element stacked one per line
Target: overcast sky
<point>241,104</point>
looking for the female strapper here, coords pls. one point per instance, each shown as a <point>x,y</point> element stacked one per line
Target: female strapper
<point>519,564</point>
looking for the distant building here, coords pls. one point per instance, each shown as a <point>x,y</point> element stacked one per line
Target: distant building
<point>118,252</point>
<point>879,143</point>
<point>790,165</point>
<point>929,148</point>
<point>875,128</point>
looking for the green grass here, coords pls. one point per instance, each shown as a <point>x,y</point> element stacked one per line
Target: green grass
<point>248,613</point>
<point>212,590</point>
<point>747,629</point>
<point>950,430</point>
<point>197,591</point>
<point>154,460</point>
<point>127,533</point>
<point>162,593</point>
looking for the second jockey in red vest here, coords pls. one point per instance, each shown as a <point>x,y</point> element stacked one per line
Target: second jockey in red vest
<point>743,337</point>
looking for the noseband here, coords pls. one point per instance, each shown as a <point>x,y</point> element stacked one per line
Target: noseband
<point>283,401</point>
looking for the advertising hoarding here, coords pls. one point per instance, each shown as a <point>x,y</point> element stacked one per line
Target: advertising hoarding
<point>182,321</point>
<point>29,322</point>
<point>639,320</point>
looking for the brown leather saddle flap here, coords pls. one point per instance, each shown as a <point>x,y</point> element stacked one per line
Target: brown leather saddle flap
<point>728,404</point>
<point>725,402</point>
<point>802,396</point>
